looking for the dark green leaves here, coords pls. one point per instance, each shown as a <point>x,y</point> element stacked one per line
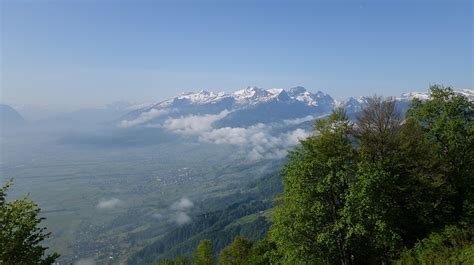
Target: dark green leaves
<point>20,234</point>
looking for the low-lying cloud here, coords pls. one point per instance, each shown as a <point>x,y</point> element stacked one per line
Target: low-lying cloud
<point>143,118</point>
<point>181,208</point>
<point>183,204</point>
<point>193,124</point>
<point>260,141</point>
<point>257,140</point>
<point>109,204</point>
<point>300,120</point>
<point>182,218</point>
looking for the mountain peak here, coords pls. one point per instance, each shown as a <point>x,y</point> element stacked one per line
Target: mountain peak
<point>297,90</point>
<point>250,93</point>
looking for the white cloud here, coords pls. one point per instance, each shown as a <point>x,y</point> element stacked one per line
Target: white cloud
<point>182,218</point>
<point>183,204</point>
<point>299,120</point>
<point>257,140</point>
<point>181,207</point>
<point>143,118</point>
<point>293,138</point>
<point>109,204</point>
<point>193,124</point>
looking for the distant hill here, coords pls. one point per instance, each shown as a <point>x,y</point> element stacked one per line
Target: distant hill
<point>89,117</point>
<point>9,117</point>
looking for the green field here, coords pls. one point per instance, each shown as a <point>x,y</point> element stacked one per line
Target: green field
<point>137,185</point>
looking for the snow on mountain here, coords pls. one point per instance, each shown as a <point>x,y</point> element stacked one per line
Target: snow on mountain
<point>469,93</point>
<point>353,105</point>
<point>300,94</point>
<point>253,105</point>
<point>425,95</point>
<point>252,94</point>
<point>246,106</point>
<point>248,96</point>
<point>413,95</point>
<point>202,97</point>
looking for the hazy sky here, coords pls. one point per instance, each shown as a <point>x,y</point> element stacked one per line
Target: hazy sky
<point>83,53</point>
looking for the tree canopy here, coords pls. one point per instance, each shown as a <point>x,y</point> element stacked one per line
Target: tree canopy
<point>362,192</point>
<point>204,254</point>
<point>20,233</point>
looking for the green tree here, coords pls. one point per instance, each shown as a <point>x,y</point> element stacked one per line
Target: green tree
<point>204,254</point>
<point>180,260</point>
<point>363,193</point>
<point>237,253</point>
<point>452,245</point>
<point>264,252</point>
<point>447,119</point>
<point>396,186</point>
<point>399,194</point>
<point>307,224</point>
<point>20,234</point>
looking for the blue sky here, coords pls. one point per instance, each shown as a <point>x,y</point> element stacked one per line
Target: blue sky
<point>84,53</point>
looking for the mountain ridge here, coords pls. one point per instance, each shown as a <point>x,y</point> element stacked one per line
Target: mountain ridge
<point>10,117</point>
<point>253,105</point>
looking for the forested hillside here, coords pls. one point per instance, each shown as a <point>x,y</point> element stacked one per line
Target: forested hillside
<point>248,217</point>
<point>383,189</point>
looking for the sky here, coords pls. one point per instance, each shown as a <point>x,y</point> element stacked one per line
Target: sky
<point>88,53</point>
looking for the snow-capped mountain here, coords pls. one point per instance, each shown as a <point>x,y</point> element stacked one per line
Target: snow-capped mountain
<point>254,105</point>
<point>425,95</point>
<point>245,107</point>
<point>354,106</point>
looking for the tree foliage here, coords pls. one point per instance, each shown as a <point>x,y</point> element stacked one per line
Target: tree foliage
<point>448,121</point>
<point>363,192</point>
<point>264,252</point>
<point>237,253</point>
<point>204,254</point>
<point>308,221</point>
<point>453,245</point>
<point>20,234</point>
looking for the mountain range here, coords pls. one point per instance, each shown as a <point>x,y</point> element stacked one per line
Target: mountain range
<point>193,112</point>
<point>253,105</point>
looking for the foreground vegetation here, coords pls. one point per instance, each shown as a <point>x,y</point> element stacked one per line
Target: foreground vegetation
<point>384,189</point>
<point>20,232</point>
